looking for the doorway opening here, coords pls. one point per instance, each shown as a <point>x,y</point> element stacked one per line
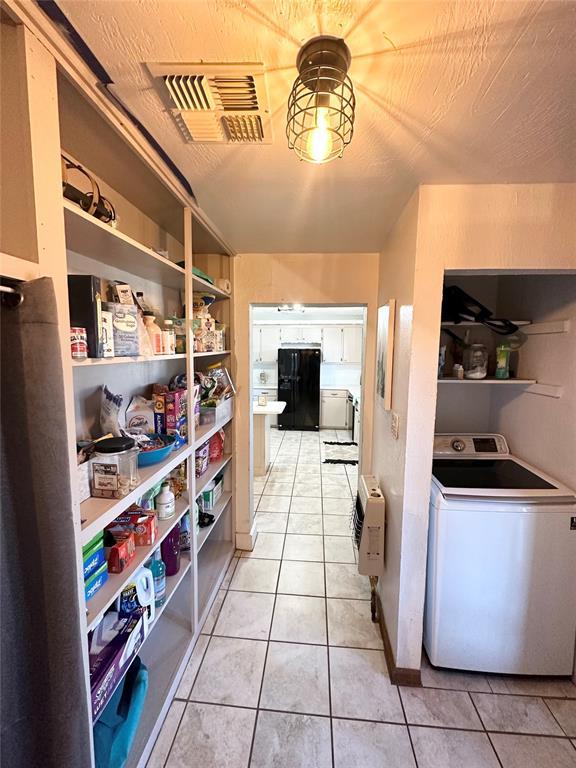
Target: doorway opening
<point>306,377</point>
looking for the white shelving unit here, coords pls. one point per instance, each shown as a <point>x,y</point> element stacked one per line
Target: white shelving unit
<point>488,380</point>
<point>59,109</point>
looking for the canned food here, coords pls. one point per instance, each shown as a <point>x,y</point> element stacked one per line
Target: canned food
<point>78,343</point>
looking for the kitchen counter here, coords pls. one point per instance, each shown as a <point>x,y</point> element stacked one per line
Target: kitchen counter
<point>354,391</point>
<point>261,416</point>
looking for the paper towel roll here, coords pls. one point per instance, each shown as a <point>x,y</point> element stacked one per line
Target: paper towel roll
<point>224,284</point>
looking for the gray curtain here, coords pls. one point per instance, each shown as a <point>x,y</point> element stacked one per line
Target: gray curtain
<point>44,720</point>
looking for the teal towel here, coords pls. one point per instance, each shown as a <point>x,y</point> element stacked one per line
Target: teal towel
<point>115,730</point>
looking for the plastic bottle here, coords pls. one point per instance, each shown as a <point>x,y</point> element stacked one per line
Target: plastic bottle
<point>502,361</point>
<point>165,502</point>
<point>169,338</point>
<point>154,332</point>
<point>159,572</point>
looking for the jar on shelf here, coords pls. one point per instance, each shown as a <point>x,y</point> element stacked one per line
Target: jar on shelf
<point>475,361</point>
<point>114,468</point>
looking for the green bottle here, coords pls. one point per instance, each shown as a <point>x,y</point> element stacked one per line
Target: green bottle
<point>502,361</point>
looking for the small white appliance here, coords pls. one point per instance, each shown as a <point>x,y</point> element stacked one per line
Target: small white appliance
<point>369,522</point>
<point>501,576</point>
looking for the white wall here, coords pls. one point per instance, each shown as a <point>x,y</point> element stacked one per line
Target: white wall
<point>542,430</point>
<point>306,278</point>
<point>482,228</point>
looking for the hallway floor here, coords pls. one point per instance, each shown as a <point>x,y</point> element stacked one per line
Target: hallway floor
<point>289,670</point>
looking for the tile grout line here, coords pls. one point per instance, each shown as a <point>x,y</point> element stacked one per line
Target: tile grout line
<point>479,716</point>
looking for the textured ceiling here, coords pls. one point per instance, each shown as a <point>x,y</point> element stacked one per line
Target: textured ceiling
<point>477,91</point>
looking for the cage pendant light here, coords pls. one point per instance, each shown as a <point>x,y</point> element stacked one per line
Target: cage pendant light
<point>320,120</point>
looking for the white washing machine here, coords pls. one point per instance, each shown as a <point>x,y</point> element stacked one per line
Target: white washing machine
<point>501,578</point>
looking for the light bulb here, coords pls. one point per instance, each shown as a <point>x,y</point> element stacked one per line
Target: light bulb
<point>319,143</point>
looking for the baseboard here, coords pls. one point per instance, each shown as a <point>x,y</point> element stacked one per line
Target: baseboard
<point>246,541</point>
<point>398,675</point>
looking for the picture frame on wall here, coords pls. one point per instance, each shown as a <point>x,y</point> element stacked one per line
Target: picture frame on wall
<point>385,353</point>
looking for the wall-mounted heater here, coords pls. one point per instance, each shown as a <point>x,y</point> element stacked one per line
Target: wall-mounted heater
<point>369,523</point>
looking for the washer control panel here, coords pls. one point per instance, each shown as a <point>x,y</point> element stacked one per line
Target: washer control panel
<point>469,445</point>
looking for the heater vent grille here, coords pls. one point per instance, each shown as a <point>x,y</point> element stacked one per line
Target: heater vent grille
<point>216,103</point>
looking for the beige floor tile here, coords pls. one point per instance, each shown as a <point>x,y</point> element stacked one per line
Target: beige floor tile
<point>515,714</point>
<point>271,522</point>
<point>303,547</point>
<point>337,506</point>
<point>445,709</point>
<point>301,578</point>
<point>452,679</point>
<point>361,688</point>
<point>343,580</point>
<point>305,524</point>
<point>192,667</point>
<point>533,686</point>
<point>307,488</point>
<point>230,572</point>
<point>565,712</point>
<point>533,751</point>
<point>440,748</point>
<point>274,503</point>
<point>299,619</point>
<point>208,625</point>
<point>246,614</point>
<point>296,679</point>
<point>166,736</point>
<point>371,745</point>
<point>284,740</point>
<point>350,625</point>
<point>337,525</point>
<point>277,489</point>
<point>338,549</point>
<point>213,737</point>
<point>231,672</point>
<point>268,546</point>
<point>256,575</point>
<point>302,505</point>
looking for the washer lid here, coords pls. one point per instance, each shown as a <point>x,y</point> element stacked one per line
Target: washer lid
<point>487,473</point>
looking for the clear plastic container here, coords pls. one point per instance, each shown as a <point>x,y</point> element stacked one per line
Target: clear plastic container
<point>475,361</point>
<point>114,468</point>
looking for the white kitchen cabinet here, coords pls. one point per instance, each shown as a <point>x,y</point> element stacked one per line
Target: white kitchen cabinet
<point>352,344</point>
<point>333,409</point>
<point>298,334</point>
<point>312,334</point>
<point>332,344</point>
<point>256,344</point>
<point>290,334</point>
<point>269,343</point>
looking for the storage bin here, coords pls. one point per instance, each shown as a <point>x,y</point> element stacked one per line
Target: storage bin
<point>218,413</point>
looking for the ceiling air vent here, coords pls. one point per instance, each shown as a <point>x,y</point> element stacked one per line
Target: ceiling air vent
<point>216,103</point>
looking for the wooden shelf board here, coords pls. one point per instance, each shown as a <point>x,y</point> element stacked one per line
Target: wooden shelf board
<point>117,581</point>
<point>203,285</point>
<point>215,558</point>
<point>488,380</point>
<point>205,431</point>
<point>212,354</point>
<point>213,469</point>
<point>219,509</point>
<point>92,361</point>
<point>90,237</point>
<point>98,513</point>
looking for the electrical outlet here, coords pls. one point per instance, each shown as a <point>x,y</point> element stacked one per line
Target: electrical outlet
<point>395,425</point>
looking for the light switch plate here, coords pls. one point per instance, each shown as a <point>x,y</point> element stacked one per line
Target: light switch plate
<point>395,425</point>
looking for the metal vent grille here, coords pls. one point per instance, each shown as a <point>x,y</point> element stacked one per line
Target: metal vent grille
<point>235,94</point>
<point>216,103</point>
<point>189,92</point>
<point>243,128</point>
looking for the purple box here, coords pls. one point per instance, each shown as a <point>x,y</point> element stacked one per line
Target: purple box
<point>109,666</point>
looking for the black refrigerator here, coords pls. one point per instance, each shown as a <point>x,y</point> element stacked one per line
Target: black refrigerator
<point>299,387</point>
